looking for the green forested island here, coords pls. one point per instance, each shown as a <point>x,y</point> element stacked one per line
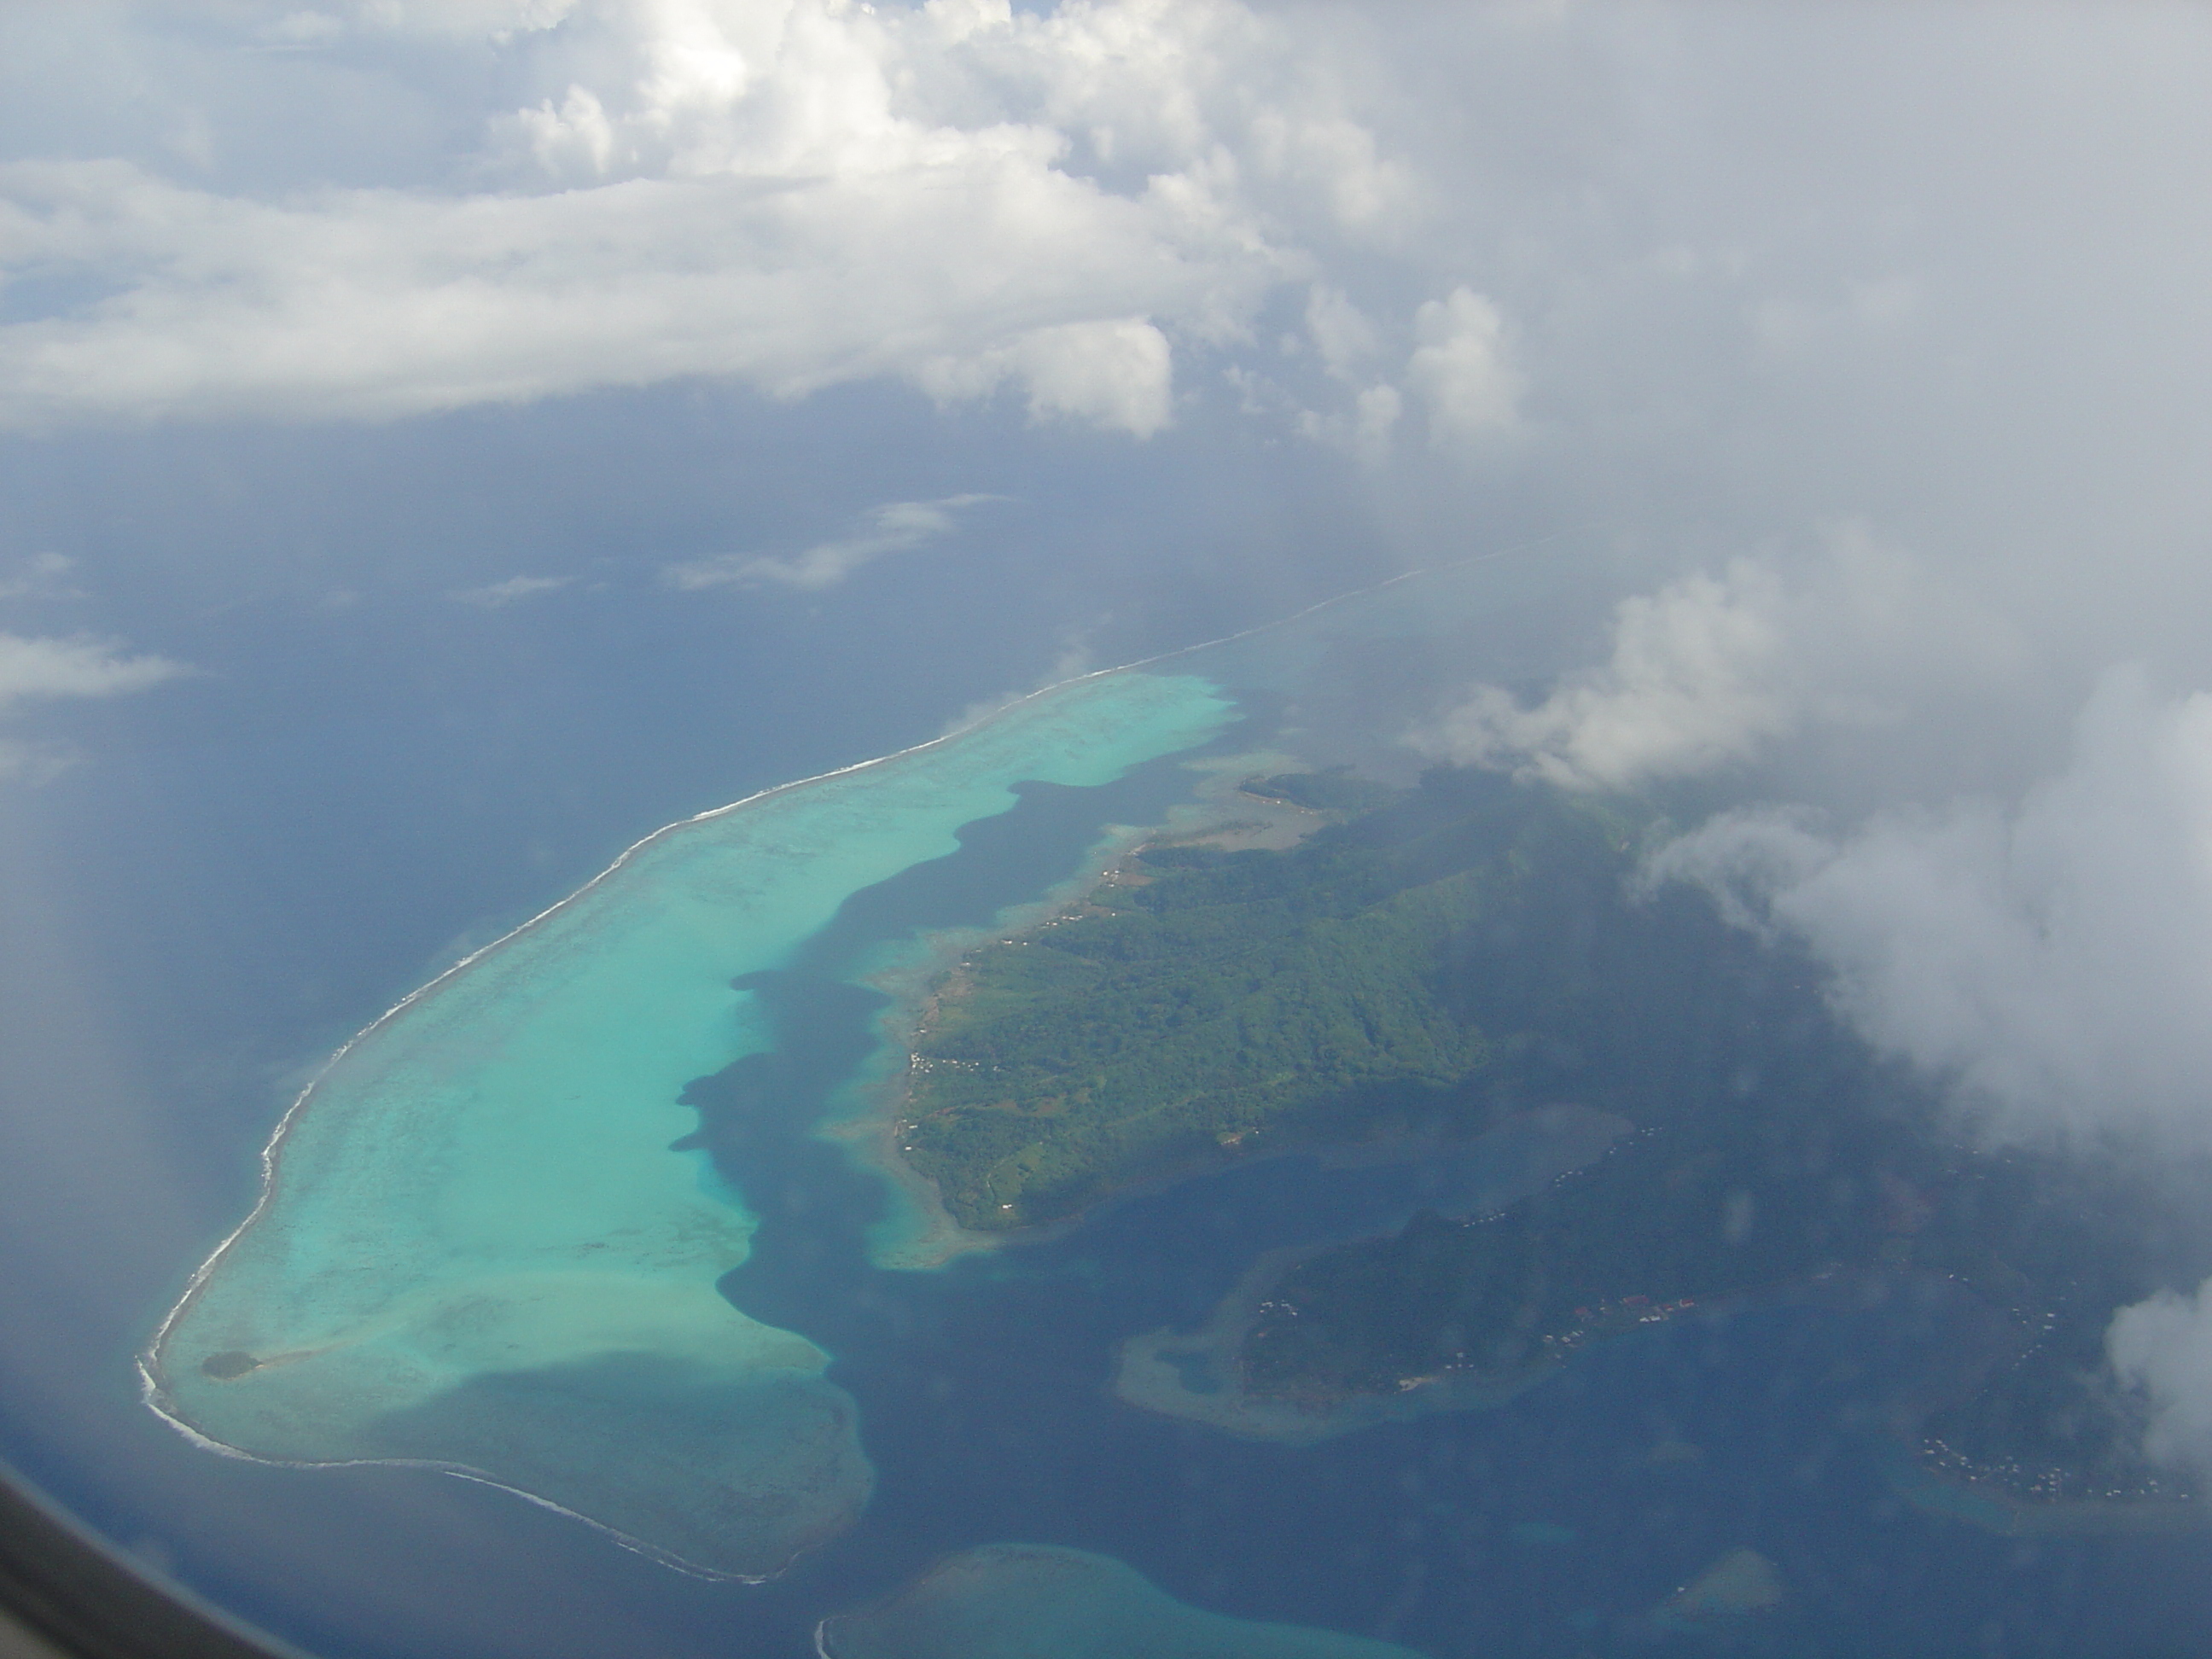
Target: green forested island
<point>1430,962</point>
<point>1204,1004</point>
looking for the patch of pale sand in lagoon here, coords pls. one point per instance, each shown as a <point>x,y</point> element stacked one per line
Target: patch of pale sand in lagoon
<point>1741,1584</point>
<point>1037,1602</point>
<point>475,1246</point>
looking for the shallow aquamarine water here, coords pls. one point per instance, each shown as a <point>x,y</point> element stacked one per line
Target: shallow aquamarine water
<point>1029,1601</point>
<point>477,1246</point>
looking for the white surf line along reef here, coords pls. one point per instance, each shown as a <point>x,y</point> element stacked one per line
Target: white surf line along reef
<point>474,1247</point>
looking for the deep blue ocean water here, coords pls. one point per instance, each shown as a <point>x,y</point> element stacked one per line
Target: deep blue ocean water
<point>242,879</point>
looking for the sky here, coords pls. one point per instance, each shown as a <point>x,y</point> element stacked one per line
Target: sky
<point>1859,353</point>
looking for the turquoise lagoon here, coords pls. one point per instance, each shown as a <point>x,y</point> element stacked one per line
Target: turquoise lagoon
<point>476,1246</point>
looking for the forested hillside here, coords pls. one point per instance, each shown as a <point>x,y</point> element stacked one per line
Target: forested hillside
<point>1212,1003</point>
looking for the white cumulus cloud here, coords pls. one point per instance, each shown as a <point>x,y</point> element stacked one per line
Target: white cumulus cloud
<point>2051,959</point>
<point>494,595</point>
<point>788,194</point>
<point>1341,332</point>
<point>1698,677</point>
<point>1461,370</point>
<point>2163,1347</point>
<point>32,667</point>
<point>1710,671</point>
<point>1117,375</point>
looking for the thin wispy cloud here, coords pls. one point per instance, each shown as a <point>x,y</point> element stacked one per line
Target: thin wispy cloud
<point>33,763</point>
<point>41,577</point>
<point>494,595</point>
<point>33,668</point>
<point>895,527</point>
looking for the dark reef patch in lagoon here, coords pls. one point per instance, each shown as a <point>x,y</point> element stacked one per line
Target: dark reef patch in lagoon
<point>733,1480</point>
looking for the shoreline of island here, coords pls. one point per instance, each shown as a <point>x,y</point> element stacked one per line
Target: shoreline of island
<point>1220,813</point>
<point>1157,1371</point>
<point>1990,1505</point>
<point>1152,1371</point>
<point>169,1394</point>
<point>1197,1375</point>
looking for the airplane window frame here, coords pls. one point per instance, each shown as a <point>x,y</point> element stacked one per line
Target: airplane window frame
<point>66,1595</point>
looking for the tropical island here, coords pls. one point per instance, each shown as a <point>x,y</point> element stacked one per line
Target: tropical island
<point>1203,1004</point>
<point>1434,963</point>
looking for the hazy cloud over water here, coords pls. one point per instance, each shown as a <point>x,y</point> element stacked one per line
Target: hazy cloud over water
<point>1716,669</point>
<point>2048,959</point>
<point>1939,267</point>
<point>2050,956</point>
<point>2163,1345</point>
<point>33,668</point>
<point>494,595</point>
<point>894,527</point>
<point>41,577</point>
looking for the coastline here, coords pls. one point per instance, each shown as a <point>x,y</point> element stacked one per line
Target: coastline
<point>1197,1377</point>
<point>920,1235</point>
<point>1993,1508</point>
<point>1125,839</point>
